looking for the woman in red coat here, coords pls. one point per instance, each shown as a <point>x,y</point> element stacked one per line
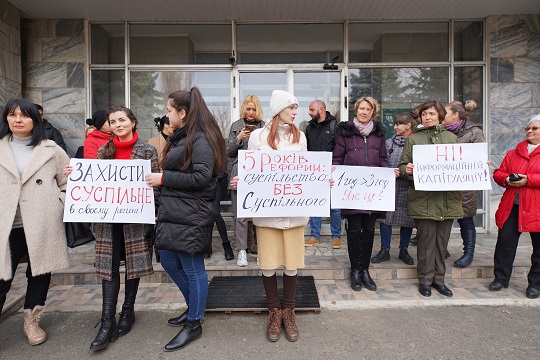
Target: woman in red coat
<point>519,209</point>
<point>97,139</point>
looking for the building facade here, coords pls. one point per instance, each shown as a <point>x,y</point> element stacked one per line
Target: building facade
<point>83,61</point>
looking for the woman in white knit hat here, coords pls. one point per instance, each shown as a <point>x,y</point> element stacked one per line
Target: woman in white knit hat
<point>280,239</point>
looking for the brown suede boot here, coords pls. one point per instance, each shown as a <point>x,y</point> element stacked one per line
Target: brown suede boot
<point>274,325</point>
<point>289,323</point>
<point>31,328</point>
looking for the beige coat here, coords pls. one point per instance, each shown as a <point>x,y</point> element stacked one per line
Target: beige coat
<point>158,142</point>
<point>39,194</point>
<point>258,140</point>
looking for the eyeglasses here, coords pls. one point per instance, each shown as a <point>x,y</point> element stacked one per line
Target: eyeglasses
<point>533,128</point>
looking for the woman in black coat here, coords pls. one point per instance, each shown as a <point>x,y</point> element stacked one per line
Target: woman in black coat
<point>195,154</point>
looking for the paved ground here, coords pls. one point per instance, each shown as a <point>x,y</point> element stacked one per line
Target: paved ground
<point>508,332</point>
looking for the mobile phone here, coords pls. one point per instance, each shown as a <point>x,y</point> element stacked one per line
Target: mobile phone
<point>514,177</point>
<point>250,128</point>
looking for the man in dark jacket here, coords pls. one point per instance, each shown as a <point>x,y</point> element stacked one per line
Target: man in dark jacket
<point>320,137</point>
<point>51,132</point>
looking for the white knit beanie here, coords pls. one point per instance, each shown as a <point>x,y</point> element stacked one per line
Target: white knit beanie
<point>280,100</point>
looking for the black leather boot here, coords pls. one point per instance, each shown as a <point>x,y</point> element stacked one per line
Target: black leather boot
<point>356,281</point>
<point>469,244</point>
<point>108,332</point>
<point>382,255</point>
<point>405,257</point>
<point>367,280</point>
<point>227,249</point>
<point>178,321</point>
<point>191,331</point>
<point>127,316</point>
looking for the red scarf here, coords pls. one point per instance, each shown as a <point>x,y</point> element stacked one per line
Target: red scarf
<point>124,148</point>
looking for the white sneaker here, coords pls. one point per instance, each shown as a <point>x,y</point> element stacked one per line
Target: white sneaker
<point>242,258</point>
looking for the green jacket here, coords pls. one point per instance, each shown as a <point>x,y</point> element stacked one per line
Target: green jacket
<point>433,205</point>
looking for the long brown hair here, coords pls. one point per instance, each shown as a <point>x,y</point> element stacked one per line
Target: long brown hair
<point>198,119</point>
<point>273,136</point>
<point>109,151</point>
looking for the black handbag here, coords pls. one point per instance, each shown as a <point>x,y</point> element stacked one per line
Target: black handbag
<point>78,234</point>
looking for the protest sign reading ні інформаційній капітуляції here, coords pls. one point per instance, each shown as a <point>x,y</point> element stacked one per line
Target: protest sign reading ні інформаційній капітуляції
<point>109,191</point>
<point>283,183</point>
<point>364,188</point>
<point>444,167</point>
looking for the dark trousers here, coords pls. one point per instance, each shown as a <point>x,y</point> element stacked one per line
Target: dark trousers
<point>220,223</point>
<point>38,286</point>
<point>433,239</point>
<point>360,234</point>
<point>505,251</point>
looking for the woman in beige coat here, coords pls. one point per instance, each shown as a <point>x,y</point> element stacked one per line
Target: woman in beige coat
<point>33,193</point>
<point>159,141</point>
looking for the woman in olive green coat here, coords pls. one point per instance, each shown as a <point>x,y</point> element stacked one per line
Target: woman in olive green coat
<point>433,211</point>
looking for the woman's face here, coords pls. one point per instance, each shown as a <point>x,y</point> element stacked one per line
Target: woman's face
<point>533,132</point>
<point>168,129</point>
<point>106,128</point>
<point>430,117</point>
<point>402,129</point>
<point>20,125</point>
<point>451,117</point>
<point>121,125</point>
<point>287,115</point>
<point>251,110</point>
<point>176,118</point>
<point>364,112</point>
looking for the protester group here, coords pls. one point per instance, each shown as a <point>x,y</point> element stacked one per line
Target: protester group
<point>190,162</point>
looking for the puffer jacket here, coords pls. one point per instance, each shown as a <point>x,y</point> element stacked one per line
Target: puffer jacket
<point>320,136</point>
<point>185,214</point>
<point>93,142</point>
<point>469,133</point>
<point>519,161</point>
<point>354,149</point>
<point>432,205</point>
<point>259,141</point>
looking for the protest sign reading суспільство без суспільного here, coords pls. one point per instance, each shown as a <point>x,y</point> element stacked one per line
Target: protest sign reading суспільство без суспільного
<point>109,191</point>
<point>283,183</point>
<point>364,188</point>
<point>443,167</point>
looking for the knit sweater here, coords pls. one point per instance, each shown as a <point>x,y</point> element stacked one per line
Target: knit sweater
<point>22,153</point>
<point>124,148</point>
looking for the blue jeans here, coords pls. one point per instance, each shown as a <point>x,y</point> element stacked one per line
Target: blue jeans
<point>404,236</point>
<point>188,273</point>
<point>335,224</point>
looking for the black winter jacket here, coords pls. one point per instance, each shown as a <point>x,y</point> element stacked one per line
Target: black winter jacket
<point>54,134</point>
<point>319,136</point>
<point>185,214</point>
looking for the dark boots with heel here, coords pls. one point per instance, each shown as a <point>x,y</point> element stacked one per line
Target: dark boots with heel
<point>469,244</point>
<point>127,316</point>
<point>191,331</point>
<point>108,332</point>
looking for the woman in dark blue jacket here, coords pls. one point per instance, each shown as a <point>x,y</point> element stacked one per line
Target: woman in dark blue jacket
<point>195,154</point>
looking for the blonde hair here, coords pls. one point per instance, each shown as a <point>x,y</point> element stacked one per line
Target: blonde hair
<point>255,100</point>
<point>371,101</point>
<point>463,109</point>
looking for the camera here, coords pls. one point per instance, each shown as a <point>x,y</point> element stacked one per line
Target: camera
<point>232,60</point>
<point>514,177</point>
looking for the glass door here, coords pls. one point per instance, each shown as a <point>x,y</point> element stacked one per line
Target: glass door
<point>261,84</point>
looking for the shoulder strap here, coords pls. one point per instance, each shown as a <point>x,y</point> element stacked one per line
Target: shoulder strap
<point>333,124</point>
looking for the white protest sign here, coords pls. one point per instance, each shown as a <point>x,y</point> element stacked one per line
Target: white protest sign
<point>364,188</point>
<point>109,191</point>
<point>442,167</point>
<point>283,183</point>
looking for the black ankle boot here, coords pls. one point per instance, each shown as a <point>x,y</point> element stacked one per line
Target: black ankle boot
<point>178,321</point>
<point>382,255</point>
<point>469,243</point>
<point>356,281</point>
<point>405,257</point>
<point>108,332</point>
<point>227,249</point>
<point>126,320</point>
<point>191,331</point>
<point>367,280</point>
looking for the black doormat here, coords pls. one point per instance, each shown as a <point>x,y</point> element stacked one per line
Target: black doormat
<point>246,293</point>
